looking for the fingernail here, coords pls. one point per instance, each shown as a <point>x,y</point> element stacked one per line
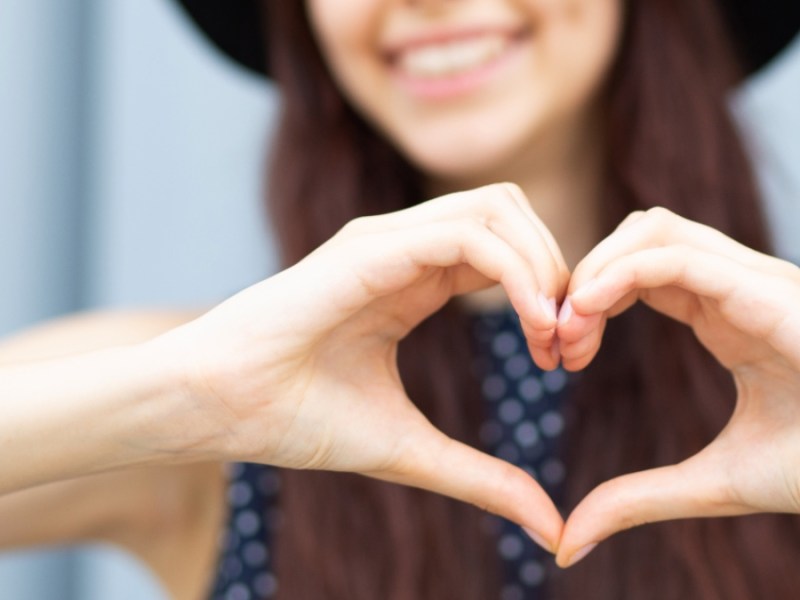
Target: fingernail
<point>548,306</point>
<point>565,313</point>
<point>538,539</point>
<point>581,554</point>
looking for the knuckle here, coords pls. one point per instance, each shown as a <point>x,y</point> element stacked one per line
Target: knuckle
<point>500,208</point>
<point>660,217</point>
<point>471,202</point>
<point>364,223</point>
<point>656,224</point>
<point>500,196</point>
<point>631,218</point>
<point>470,227</point>
<point>356,226</point>
<point>512,188</point>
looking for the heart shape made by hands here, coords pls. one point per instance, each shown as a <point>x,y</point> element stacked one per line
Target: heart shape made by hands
<point>300,370</point>
<point>742,307</point>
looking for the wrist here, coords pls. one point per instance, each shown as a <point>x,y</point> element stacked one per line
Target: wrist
<point>174,418</point>
<point>89,413</point>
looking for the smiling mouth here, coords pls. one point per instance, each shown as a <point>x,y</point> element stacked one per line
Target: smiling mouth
<point>451,58</point>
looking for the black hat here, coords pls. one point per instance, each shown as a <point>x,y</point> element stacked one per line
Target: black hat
<point>761,28</point>
<point>236,28</point>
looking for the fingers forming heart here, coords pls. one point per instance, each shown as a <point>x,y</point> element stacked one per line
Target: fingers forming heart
<point>742,305</point>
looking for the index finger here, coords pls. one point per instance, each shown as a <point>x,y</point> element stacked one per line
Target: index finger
<point>659,227</point>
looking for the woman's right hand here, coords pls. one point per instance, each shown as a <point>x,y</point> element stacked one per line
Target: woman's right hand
<point>300,370</point>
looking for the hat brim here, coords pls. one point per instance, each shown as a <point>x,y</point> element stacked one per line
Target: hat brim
<point>236,28</point>
<point>761,28</point>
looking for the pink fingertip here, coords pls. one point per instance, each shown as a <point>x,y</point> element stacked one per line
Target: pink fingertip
<point>548,306</point>
<point>581,554</point>
<point>565,313</point>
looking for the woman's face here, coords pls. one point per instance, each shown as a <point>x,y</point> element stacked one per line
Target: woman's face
<point>465,87</point>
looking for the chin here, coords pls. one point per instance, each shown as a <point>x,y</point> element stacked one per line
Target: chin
<point>461,166</point>
<point>470,147</point>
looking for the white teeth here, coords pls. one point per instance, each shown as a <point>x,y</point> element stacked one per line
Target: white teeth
<point>451,58</point>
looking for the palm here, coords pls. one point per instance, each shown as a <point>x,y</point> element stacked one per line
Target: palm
<point>360,391</point>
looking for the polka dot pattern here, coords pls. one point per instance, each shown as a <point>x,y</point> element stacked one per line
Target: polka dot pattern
<point>523,426</point>
<point>244,569</point>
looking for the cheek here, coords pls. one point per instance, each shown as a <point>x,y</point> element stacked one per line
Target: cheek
<point>347,35</point>
<point>579,41</point>
<point>345,30</point>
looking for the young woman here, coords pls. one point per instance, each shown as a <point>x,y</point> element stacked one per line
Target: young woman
<point>595,109</point>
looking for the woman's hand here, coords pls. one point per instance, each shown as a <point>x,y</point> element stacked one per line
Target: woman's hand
<point>745,309</point>
<point>300,370</point>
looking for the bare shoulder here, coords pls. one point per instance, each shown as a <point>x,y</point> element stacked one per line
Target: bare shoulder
<point>83,332</point>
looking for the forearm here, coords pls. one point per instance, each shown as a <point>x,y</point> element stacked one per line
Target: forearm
<point>90,413</point>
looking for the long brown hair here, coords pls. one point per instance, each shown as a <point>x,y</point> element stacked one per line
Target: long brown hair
<point>669,142</point>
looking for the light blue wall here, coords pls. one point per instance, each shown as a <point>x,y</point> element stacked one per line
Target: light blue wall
<point>768,107</point>
<point>178,144</point>
<point>40,107</point>
<point>130,159</point>
<point>41,52</point>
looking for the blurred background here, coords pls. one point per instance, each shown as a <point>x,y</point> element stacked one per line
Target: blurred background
<point>130,175</point>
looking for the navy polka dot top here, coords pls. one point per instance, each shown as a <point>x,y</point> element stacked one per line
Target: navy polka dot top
<point>523,425</point>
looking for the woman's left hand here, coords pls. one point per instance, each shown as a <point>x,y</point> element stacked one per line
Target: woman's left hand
<point>744,307</point>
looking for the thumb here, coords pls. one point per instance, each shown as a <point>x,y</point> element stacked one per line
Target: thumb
<point>693,488</point>
<point>448,467</point>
